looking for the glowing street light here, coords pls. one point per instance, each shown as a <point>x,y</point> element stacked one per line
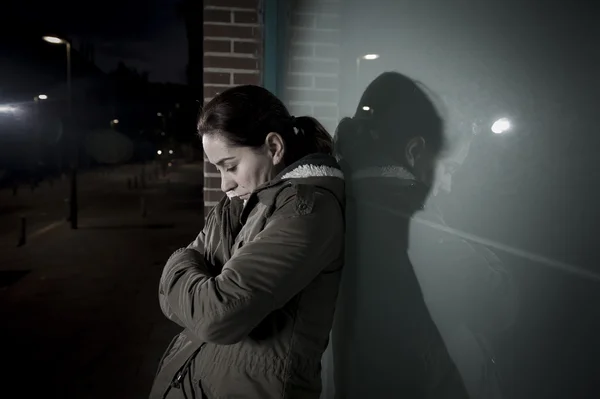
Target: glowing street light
<point>501,126</point>
<point>115,121</point>
<point>159,114</point>
<point>370,56</point>
<point>171,152</point>
<point>42,97</point>
<point>54,39</point>
<point>367,57</point>
<point>159,152</point>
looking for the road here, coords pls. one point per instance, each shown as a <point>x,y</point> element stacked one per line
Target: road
<point>84,322</point>
<point>47,205</point>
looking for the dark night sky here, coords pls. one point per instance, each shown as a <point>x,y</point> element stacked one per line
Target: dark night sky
<point>146,35</point>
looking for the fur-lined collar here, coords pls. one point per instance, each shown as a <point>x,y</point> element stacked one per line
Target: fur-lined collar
<point>314,165</point>
<point>304,171</point>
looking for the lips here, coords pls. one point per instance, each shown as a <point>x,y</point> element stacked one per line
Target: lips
<point>244,197</point>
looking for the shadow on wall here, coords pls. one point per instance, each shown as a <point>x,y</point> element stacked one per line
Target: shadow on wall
<point>385,343</point>
<point>413,314</point>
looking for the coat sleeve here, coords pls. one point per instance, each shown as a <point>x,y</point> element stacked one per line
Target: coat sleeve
<point>294,247</point>
<point>198,245</point>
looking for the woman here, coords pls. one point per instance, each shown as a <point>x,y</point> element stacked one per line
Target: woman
<point>385,342</point>
<point>256,291</point>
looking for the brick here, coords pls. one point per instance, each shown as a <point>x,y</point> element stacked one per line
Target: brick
<point>214,182</point>
<point>315,66</point>
<point>328,22</point>
<point>327,82</point>
<point>211,195</point>
<point>217,78</point>
<point>212,91</point>
<point>318,7</point>
<point>302,20</point>
<point>246,79</point>
<point>302,50</point>
<point>246,47</point>
<point>230,62</point>
<point>294,80</point>
<point>217,16</point>
<point>301,35</point>
<point>300,109</point>
<point>217,46</point>
<point>320,96</point>
<point>327,51</point>
<point>232,31</point>
<point>326,111</point>
<point>242,17</point>
<point>330,124</point>
<point>232,3</point>
<point>210,168</point>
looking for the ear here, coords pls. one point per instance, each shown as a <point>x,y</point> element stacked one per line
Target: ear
<point>414,150</point>
<point>275,146</point>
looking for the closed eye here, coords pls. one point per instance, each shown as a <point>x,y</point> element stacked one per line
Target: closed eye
<point>231,169</point>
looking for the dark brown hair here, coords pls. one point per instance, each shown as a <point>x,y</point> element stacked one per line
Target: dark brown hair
<point>245,115</point>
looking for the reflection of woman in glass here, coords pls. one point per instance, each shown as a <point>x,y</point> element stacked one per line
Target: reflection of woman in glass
<point>469,292</point>
<point>385,343</point>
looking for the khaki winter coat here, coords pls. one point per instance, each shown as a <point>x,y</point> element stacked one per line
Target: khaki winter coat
<point>256,291</point>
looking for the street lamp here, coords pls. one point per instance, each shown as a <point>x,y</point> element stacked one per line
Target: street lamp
<point>58,40</point>
<point>42,97</point>
<point>366,57</point>
<point>73,203</point>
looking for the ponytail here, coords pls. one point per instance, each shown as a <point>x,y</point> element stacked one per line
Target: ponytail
<point>310,137</point>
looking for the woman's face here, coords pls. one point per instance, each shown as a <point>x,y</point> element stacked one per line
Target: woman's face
<point>242,169</point>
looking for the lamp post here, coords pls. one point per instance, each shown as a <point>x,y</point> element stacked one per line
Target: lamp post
<point>367,57</point>
<point>73,207</point>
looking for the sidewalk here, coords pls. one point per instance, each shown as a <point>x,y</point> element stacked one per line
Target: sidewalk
<point>49,203</point>
<point>85,321</point>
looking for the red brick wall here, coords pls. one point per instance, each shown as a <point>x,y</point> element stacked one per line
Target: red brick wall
<point>233,48</point>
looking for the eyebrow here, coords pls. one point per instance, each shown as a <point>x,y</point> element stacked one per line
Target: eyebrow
<point>221,161</point>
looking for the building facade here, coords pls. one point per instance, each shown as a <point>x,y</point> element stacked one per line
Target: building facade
<point>291,47</point>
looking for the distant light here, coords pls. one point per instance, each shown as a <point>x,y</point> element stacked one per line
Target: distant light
<point>501,126</point>
<point>366,108</point>
<point>115,121</point>
<point>43,97</point>
<point>53,39</point>
<point>159,152</point>
<point>159,114</point>
<point>170,164</point>
<point>370,56</point>
<point>8,109</point>
<point>162,133</point>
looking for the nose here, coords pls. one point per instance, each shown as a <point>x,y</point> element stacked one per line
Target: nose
<point>227,184</point>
